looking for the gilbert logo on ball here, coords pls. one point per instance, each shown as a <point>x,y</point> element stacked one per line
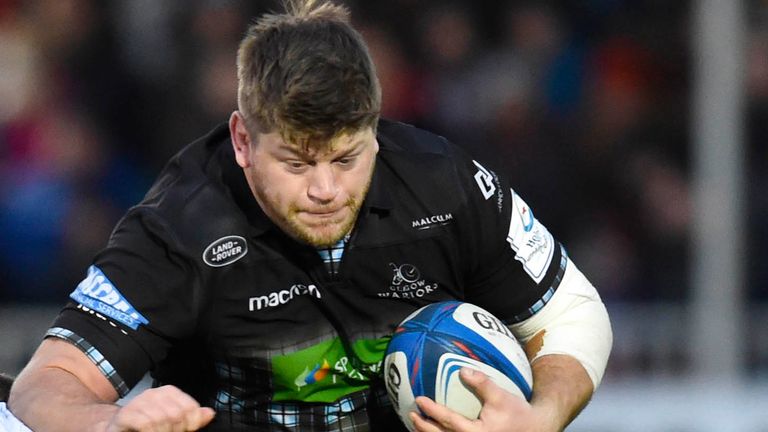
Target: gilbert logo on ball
<point>429,348</point>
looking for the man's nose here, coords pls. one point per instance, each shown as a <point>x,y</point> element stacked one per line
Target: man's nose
<point>322,184</point>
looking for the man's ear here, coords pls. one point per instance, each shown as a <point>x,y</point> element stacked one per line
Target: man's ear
<point>241,139</point>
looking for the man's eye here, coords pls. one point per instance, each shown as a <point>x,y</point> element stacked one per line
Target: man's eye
<point>296,165</point>
<point>345,161</point>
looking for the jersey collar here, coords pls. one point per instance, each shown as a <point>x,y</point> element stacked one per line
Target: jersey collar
<point>242,195</point>
<point>378,197</point>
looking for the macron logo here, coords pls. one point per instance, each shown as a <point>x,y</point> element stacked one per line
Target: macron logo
<point>281,297</point>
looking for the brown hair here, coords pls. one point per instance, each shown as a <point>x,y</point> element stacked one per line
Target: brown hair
<point>5,386</point>
<point>307,75</point>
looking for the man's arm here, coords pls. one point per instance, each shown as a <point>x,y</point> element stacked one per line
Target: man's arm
<point>561,390</point>
<point>568,342</point>
<point>62,390</point>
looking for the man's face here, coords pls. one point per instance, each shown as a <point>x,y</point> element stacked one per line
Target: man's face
<point>313,196</point>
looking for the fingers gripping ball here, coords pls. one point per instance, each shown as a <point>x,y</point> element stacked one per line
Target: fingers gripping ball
<point>429,348</point>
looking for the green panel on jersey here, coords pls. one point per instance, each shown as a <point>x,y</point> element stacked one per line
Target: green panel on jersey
<point>323,372</point>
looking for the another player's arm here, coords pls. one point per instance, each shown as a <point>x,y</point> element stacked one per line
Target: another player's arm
<point>62,390</point>
<point>5,386</point>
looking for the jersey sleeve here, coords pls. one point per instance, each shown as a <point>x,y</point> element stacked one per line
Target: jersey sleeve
<point>515,264</point>
<point>138,299</point>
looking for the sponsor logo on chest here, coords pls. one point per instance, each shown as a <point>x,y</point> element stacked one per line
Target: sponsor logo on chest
<point>432,221</point>
<point>407,283</point>
<point>225,250</point>
<point>282,297</point>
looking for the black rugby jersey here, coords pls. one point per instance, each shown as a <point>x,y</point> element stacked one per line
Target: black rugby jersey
<point>198,286</point>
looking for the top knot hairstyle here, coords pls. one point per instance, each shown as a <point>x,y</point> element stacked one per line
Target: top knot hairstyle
<point>307,74</point>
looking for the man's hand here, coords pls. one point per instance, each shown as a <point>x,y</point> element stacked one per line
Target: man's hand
<point>161,409</point>
<point>502,411</point>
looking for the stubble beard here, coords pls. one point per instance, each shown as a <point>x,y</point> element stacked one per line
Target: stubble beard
<point>318,235</point>
<point>324,234</point>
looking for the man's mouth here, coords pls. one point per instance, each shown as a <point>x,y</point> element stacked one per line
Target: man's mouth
<point>323,213</point>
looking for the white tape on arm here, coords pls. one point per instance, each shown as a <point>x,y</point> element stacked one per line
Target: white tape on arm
<point>576,323</point>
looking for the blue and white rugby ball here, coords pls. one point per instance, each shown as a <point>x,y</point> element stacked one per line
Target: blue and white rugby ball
<point>430,346</point>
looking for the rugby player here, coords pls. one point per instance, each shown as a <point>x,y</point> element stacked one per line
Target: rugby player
<point>261,276</point>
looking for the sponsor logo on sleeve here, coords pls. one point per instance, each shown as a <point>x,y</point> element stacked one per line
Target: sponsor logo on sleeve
<point>97,292</point>
<point>225,250</point>
<point>488,182</point>
<point>484,179</point>
<point>533,244</point>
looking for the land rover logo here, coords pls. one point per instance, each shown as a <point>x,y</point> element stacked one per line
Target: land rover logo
<point>225,250</point>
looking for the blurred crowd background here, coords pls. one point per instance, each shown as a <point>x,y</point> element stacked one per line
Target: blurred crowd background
<point>585,105</point>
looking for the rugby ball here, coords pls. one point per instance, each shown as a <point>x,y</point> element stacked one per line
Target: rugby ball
<point>429,348</point>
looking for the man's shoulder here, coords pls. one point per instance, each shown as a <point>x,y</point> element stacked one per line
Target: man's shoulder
<point>192,192</point>
<point>192,167</point>
<point>421,167</point>
<point>396,136</point>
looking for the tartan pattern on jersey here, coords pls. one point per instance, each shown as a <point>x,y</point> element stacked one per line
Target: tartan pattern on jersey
<point>348,414</point>
<point>235,393</point>
<point>242,403</point>
<point>550,292</point>
<point>94,355</point>
<point>332,255</point>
